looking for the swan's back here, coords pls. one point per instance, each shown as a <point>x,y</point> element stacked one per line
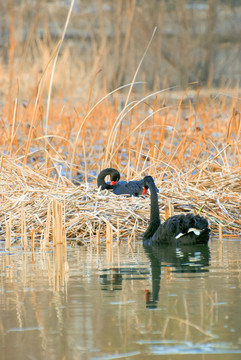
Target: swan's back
<point>134,188</point>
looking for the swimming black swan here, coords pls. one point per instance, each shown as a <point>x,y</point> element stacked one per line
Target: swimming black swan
<point>183,229</point>
<point>135,187</point>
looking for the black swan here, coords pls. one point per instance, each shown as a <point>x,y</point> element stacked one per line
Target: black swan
<point>135,187</point>
<point>183,229</point>
<point>114,178</point>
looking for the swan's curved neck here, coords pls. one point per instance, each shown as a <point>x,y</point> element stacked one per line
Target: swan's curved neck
<point>101,180</point>
<point>154,213</point>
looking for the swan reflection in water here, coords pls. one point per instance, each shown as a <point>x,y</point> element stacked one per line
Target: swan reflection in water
<point>185,259</point>
<point>111,278</point>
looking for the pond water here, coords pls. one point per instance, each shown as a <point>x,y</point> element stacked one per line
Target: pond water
<point>122,302</point>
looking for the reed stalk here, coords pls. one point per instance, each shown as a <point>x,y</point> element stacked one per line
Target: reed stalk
<point>8,234</point>
<point>23,229</point>
<point>52,73</point>
<point>118,231</point>
<point>47,229</point>
<point>167,209</point>
<point>220,232</point>
<point>187,323</point>
<point>97,237</point>
<point>32,239</point>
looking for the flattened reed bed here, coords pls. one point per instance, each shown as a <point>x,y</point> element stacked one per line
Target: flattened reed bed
<point>26,196</point>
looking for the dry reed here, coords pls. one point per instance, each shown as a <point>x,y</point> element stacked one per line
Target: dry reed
<point>189,142</point>
<point>101,213</point>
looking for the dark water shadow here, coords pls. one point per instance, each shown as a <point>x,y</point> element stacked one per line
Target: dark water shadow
<point>111,279</point>
<point>186,259</point>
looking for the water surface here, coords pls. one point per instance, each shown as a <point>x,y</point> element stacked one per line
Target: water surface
<point>122,303</point>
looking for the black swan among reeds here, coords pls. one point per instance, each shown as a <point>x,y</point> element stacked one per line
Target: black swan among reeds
<point>183,229</point>
<point>134,187</point>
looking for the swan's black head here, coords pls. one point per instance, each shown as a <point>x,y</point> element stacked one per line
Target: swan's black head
<point>114,176</point>
<point>148,181</point>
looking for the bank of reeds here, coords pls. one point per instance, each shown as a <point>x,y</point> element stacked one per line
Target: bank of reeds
<point>29,198</point>
<point>191,148</point>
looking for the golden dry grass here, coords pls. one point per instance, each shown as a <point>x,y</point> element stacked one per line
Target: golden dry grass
<point>189,142</point>
<point>194,158</point>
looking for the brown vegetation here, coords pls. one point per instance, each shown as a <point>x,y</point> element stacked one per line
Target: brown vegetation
<point>189,141</point>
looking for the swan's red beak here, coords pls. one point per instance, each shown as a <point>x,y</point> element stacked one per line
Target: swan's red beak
<point>144,192</point>
<point>113,182</point>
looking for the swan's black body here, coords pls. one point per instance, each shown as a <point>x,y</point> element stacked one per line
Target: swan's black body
<point>133,188</point>
<point>183,229</point>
